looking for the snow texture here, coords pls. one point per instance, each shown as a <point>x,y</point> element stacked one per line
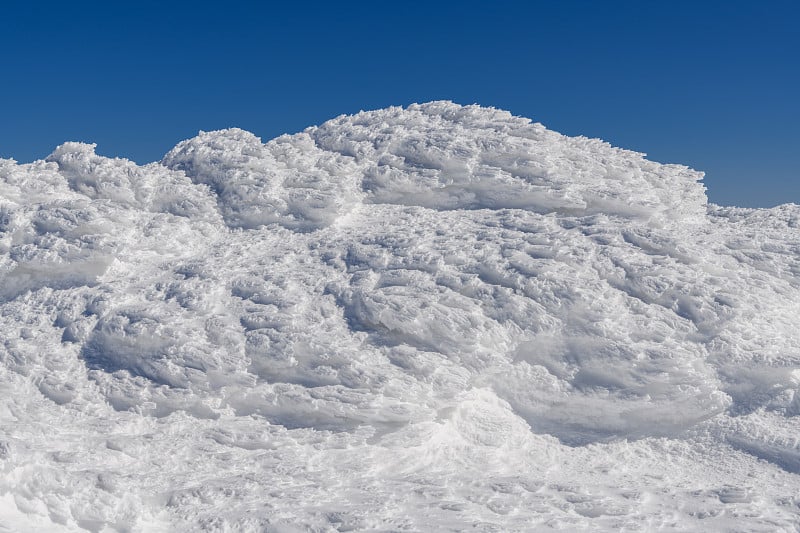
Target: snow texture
<point>414,319</point>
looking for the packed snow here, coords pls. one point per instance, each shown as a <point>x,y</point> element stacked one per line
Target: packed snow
<point>432,318</point>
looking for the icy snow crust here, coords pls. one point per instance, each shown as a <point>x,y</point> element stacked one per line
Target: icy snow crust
<point>431,318</point>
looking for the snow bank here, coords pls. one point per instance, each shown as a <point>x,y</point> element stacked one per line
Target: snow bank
<point>446,308</point>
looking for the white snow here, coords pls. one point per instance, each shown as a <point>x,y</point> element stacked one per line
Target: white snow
<point>438,317</point>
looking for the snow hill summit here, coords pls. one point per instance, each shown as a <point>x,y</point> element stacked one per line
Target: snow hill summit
<point>412,319</point>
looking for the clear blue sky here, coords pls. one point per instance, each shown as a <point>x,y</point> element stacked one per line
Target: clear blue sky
<point>711,84</point>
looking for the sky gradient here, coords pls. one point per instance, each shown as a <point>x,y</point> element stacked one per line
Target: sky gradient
<point>713,85</point>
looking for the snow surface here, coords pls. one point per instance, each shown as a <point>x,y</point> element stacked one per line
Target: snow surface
<point>430,318</point>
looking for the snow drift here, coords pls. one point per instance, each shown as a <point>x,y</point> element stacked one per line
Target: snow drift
<point>407,319</point>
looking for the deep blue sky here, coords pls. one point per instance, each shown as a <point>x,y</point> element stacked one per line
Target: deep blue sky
<point>711,84</point>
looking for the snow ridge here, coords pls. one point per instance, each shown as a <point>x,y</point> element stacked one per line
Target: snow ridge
<point>415,318</point>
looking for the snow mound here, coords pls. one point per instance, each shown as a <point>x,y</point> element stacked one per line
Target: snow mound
<point>442,307</point>
<point>438,155</point>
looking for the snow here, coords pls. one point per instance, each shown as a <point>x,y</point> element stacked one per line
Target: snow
<point>428,318</point>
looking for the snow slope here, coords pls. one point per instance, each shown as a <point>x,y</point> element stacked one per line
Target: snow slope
<point>430,318</point>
